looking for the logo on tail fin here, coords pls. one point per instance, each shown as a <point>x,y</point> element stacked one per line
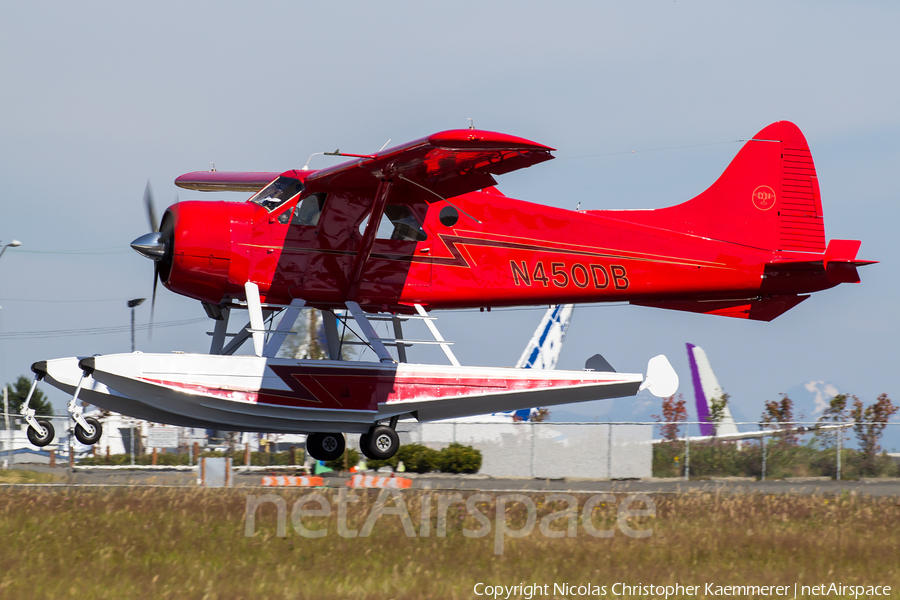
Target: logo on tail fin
<point>763,197</point>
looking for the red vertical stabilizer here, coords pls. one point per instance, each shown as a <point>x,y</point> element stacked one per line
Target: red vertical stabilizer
<point>768,198</point>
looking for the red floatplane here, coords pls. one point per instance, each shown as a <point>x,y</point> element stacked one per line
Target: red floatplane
<point>418,227</point>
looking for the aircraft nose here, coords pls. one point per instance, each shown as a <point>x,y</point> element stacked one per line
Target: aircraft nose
<point>150,245</point>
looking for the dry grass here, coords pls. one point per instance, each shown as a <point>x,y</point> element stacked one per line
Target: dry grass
<point>185,544</point>
<point>23,476</point>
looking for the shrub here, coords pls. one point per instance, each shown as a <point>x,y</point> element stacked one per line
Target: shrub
<point>457,458</point>
<point>417,458</point>
<point>338,463</point>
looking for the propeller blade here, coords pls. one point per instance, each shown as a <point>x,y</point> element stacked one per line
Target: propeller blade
<point>153,299</point>
<point>151,209</point>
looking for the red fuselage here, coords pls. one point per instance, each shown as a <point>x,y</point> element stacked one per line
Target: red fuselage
<point>754,238</point>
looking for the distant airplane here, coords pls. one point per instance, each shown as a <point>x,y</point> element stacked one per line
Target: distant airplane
<point>707,390</point>
<point>542,351</point>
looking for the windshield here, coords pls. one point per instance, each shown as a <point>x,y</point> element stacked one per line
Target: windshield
<point>277,193</point>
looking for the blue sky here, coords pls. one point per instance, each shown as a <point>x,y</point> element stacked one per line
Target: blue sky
<point>97,98</point>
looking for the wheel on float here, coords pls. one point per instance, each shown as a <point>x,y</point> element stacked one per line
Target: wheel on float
<point>364,441</point>
<point>380,443</point>
<point>41,439</point>
<point>325,446</point>
<point>89,439</point>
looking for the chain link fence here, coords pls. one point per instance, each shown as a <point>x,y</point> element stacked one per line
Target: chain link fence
<point>809,449</point>
<point>628,450</point>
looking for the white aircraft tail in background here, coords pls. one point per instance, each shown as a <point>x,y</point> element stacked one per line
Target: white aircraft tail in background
<point>542,352</point>
<point>706,391</point>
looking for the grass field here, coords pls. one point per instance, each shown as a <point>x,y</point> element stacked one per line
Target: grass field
<point>188,543</point>
<point>24,476</point>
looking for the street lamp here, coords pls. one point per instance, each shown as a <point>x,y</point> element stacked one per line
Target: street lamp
<point>9,440</point>
<point>12,244</point>
<point>131,305</point>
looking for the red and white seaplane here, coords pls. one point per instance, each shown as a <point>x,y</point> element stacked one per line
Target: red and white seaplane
<point>418,227</point>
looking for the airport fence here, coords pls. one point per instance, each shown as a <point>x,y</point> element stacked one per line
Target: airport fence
<point>833,450</point>
<point>627,450</point>
<point>607,450</point>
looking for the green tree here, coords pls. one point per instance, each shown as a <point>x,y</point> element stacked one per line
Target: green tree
<point>779,414</point>
<point>717,410</point>
<point>870,423</point>
<point>18,391</point>
<point>309,339</point>
<point>836,412</point>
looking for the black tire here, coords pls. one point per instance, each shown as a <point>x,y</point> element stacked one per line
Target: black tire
<point>82,436</point>
<point>381,443</point>
<point>325,446</point>
<point>36,438</point>
<point>364,441</point>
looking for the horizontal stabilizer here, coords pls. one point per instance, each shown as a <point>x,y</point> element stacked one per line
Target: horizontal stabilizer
<point>755,309</point>
<point>840,261</point>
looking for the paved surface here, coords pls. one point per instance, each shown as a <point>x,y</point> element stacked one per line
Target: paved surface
<point>440,481</point>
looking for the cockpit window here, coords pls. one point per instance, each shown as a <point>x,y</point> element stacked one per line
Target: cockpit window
<point>309,210</point>
<point>277,193</point>
<point>398,223</point>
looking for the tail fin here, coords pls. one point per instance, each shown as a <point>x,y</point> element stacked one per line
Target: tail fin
<point>543,349</point>
<point>706,389</point>
<point>767,198</point>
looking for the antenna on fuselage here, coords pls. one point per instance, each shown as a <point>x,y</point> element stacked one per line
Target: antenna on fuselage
<point>306,166</point>
<point>471,123</point>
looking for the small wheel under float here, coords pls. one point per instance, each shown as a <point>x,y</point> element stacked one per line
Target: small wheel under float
<point>325,446</point>
<point>41,438</point>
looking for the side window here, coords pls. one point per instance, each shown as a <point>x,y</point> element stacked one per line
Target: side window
<point>309,210</point>
<point>397,223</point>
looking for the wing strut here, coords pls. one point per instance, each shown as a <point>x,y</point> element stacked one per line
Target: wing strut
<point>254,307</point>
<point>369,331</point>
<point>437,335</point>
<point>365,247</point>
<point>332,337</point>
<point>284,327</point>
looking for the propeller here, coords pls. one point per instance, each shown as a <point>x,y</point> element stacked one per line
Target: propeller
<point>154,245</point>
<point>151,209</point>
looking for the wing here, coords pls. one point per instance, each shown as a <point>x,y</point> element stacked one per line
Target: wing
<point>446,164</point>
<point>225,181</point>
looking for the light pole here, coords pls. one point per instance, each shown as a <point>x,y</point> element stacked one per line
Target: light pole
<point>131,305</point>
<point>9,435</point>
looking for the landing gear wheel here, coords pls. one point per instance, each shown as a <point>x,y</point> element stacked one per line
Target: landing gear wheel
<point>89,439</point>
<point>325,446</point>
<point>35,436</point>
<point>365,440</point>
<point>380,443</point>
